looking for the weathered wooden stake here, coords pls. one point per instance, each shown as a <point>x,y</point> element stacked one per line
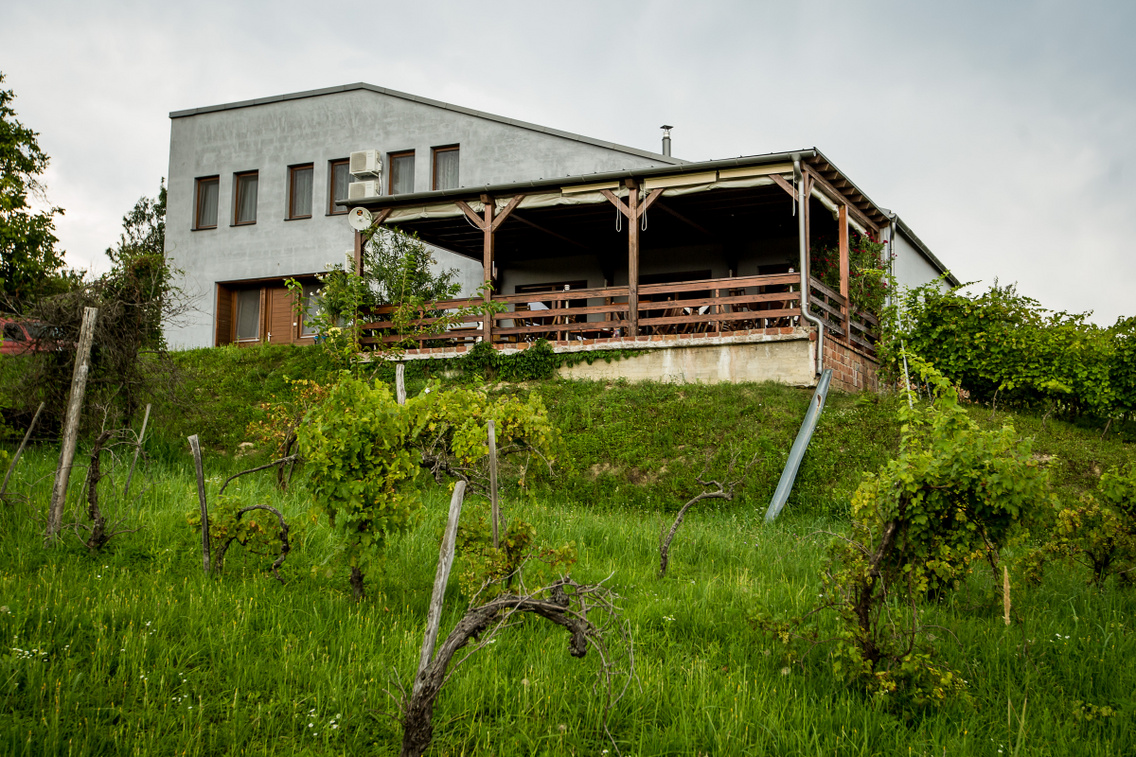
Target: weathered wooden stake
<point>71,424</point>
<point>495,509</point>
<point>137,449</point>
<point>400,382</point>
<point>20,451</point>
<point>1006,594</point>
<point>445,562</point>
<point>195,447</point>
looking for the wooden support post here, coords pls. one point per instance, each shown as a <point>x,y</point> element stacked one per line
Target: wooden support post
<point>846,310</point>
<point>495,508</point>
<point>71,423</point>
<point>633,258</point>
<point>358,254</point>
<point>20,451</point>
<point>633,211</point>
<point>487,261</point>
<point>137,450</point>
<point>441,577</point>
<point>195,448</point>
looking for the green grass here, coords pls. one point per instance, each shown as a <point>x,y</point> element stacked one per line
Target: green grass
<point>135,651</point>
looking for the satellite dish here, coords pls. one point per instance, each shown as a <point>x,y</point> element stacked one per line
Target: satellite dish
<point>360,219</point>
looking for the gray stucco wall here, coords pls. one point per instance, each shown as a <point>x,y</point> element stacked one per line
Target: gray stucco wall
<point>270,137</point>
<point>910,268</point>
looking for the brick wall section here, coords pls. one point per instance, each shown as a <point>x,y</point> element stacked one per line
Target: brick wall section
<point>852,370</point>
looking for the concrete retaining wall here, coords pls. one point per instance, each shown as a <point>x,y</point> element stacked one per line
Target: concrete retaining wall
<point>788,361</point>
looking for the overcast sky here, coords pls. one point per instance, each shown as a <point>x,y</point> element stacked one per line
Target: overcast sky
<point>1003,133</point>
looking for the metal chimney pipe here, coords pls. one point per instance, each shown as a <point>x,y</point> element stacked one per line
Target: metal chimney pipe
<point>666,139</point>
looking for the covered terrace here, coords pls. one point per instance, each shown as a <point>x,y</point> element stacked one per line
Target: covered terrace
<point>714,251</point>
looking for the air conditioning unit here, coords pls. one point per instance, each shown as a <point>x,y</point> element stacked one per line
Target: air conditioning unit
<point>363,190</point>
<point>366,164</point>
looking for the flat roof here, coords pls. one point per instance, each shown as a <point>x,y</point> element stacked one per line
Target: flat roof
<point>432,103</point>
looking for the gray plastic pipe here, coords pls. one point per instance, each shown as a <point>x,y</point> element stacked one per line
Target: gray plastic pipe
<point>803,235</point>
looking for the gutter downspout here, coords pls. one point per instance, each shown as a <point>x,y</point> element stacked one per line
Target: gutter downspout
<point>802,235</point>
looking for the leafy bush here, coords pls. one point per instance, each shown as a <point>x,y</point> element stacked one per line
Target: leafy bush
<point>364,452</point>
<point>1004,348</point>
<point>953,495</point>
<point>867,280</point>
<point>1099,532</point>
<point>489,571</point>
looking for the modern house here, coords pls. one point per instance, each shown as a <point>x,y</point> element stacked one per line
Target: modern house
<point>705,267</point>
<point>258,190</point>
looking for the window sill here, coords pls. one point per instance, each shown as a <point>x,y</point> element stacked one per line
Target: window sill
<point>203,228</point>
<point>298,218</point>
<point>246,223</point>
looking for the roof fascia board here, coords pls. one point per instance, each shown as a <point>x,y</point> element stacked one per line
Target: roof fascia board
<point>432,103</point>
<point>851,183</point>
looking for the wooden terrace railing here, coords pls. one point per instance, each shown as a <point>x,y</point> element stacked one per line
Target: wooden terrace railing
<point>709,306</point>
<point>859,328</point>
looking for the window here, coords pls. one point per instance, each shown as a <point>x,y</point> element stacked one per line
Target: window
<point>446,167</point>
<point>401,172</point>
<point>339,178</point>
<point>248,315</point>
<point>244,198</point>
<point>300,191</point>
<point>207,191</point>
<point>311,307</point>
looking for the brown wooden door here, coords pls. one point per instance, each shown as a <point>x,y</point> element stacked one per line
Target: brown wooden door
<point>281,327</point>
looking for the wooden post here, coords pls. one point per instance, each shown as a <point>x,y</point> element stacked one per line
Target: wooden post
<point>445,562</point>
<point>195,447</point>
<point>493,483</point>
<point>357,253</point>
<point>846,309</point>
<point>400,382</point>
<point>633,258</point>
<point>71,424</point>
<point>1006,594</point>
<point>487,262</point>
<point>717,309</point>
<point>137,450</point>
<point>20,451</point>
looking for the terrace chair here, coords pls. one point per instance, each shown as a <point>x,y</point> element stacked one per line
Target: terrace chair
<point>742,307</point>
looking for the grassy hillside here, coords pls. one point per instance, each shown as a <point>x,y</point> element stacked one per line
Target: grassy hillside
<point>639,445</point>
<point>135,651</point>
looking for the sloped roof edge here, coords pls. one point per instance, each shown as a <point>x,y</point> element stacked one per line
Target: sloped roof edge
<point>433,103</point>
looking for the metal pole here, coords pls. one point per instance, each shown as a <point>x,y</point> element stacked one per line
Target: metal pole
<point>797,453</point>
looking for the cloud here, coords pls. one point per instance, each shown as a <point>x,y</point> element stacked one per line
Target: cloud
<point>1000,132</point>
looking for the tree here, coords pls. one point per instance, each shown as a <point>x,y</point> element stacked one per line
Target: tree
<point>399,267</point>
<point>397,270</point>
<point>134,298</point>
<point>30,265</point>
<point>143,228</point>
